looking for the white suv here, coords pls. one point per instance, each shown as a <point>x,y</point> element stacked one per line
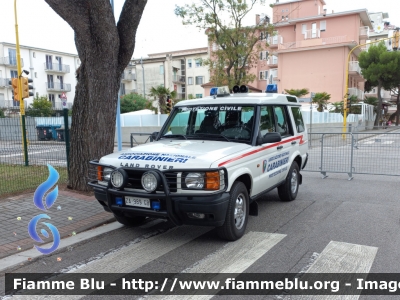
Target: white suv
<point>209,163</point>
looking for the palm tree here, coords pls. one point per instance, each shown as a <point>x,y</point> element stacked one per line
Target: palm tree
<point>161,93</point>
<point>322,100</point>
<point>297,93</point>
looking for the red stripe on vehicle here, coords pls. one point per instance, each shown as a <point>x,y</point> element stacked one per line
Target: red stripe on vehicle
<point>261,149</point>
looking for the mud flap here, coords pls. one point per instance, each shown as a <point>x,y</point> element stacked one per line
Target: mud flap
<point>253,208</point>
<point>300,178</point>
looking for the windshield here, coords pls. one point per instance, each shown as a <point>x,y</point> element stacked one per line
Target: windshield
<point>223,122</point>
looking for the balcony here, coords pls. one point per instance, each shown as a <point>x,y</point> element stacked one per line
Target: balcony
<point>58,105</point>
<point>317,42</point>
<point>58,87</point>
<point>364,32</point>
<point>272,61</point>
<point>356,92</point>
<point>56,67</point>
<point>10,61</point>
<point>11,104</point>
<point>312,34</point>
<point>4,82</point>
<point>128,76</point>
<point>274,41</point>
<point>355,70</point>
<point>178,79</point>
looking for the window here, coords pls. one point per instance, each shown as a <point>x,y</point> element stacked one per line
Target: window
<point>199,95</point>
<point>161,69</point>
<point>59,60</point>
<point>52,100</point>
<point>190,80</point>
<point>50,82</point>
<point>263,35</point>
<point>282,122</point>
<point>314,30</point>
<point>264,55</point>
<point>14,74</point>
<point>322,25</point>
<point>263,75</point>
<point>199,80</point>
<point>298,119</point>
<point>267,123</point>
<point>189,63</point>
<point>303,28</point>
<point>198,63</point>
<point>12,54</point>
<point>49,62</point>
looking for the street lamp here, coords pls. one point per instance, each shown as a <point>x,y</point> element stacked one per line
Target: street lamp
<point>347,81</point>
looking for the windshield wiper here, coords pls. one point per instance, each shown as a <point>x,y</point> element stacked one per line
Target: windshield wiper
<point>211,135</point>
<point>174,135</point>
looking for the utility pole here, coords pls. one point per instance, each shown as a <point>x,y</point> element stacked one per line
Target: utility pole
<point>144,84</point>
<point>21,100</point>
<point>119,137</point>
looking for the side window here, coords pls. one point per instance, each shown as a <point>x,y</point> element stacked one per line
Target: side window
<point>267,123</point>
<point>298,119</point>
<point>282,121</point>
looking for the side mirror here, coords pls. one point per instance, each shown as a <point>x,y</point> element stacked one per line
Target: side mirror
<point>270,137</point>
<point>153,136</point>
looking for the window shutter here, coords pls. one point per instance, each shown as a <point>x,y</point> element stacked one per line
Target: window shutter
<point>322,25</point>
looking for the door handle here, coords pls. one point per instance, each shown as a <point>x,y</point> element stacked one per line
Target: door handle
<point>279,147</point>
<point>294,143</point>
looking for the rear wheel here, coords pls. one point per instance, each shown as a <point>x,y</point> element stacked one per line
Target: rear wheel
<point>288,190</point>
<point>237,214</point>
<point>130,221</point>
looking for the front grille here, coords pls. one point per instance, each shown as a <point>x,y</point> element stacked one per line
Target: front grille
<point>135,177</point>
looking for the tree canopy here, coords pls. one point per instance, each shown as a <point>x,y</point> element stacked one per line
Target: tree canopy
<point>40,107</point>
<point>134,102</point>
<point>322,100</point>
<point>297,92</point>
<point>105,49</point>
<point>161,93</point>
<point>235,47</point>
<point>378,67</point>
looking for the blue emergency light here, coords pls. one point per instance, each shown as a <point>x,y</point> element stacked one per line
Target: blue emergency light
<point>272,88</point>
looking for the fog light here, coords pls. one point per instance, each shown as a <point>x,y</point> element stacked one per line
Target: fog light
<point>196,215</point>
<point>118,201</point>
<point>156,205</point>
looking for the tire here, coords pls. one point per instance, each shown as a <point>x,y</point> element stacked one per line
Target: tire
<point>237,214</point>
<point>130,221</point>
<point>288,190</point>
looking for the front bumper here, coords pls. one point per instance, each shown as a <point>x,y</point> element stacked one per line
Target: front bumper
<point>180,208</point>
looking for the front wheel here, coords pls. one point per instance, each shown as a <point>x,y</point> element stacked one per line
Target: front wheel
<point>288,190</point>
<point>237,214</point>
<point>130,221</point>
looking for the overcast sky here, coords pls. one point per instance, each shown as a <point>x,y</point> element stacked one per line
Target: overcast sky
<point>159,30</point>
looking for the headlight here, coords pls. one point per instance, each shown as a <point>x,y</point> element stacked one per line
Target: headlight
<point>194,180</point>
<point>118,178</point>
<point>107,173</point>
<point>150,181</point>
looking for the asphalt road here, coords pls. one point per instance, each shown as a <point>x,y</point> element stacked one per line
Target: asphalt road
<point>334,225</point>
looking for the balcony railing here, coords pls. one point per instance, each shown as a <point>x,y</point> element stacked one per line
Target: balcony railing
<point>364,32</point>
<point>11,104</point>
<point>312,34</point>
<point>58,105</point>
<point>128,76</point>
<point>356,92</point>
<point>274,41</point>
<point>10,61</point>
<point>56,67</point>
<point>273,73</point>
<point>354,68</point>
<point>314,42</point>
<point>272,60</point>
<point>59,87</point>
<point>178,78</point>
<point>3,82</point>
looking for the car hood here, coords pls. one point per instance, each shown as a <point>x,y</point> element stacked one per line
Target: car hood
<point>174,154</point>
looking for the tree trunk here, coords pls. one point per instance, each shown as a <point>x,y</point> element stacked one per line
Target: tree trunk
<point>104,50</point>
<point>379,106</point>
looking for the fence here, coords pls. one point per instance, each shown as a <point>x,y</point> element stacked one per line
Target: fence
<point>45,145</point>
<point>375,152</point>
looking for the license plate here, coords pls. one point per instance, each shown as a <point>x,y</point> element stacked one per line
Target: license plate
<point>136,201</point>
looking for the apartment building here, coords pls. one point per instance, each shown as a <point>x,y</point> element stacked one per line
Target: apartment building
<point>181,71</point>
<point>52,72</point>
